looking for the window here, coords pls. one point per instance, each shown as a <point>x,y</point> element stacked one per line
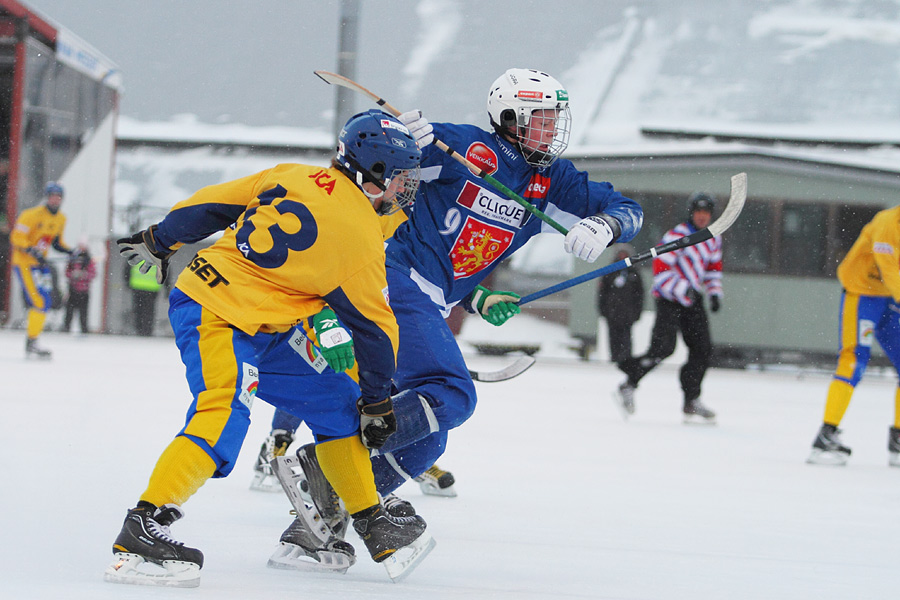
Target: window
<point>747,245</point>
<point>803,239</point>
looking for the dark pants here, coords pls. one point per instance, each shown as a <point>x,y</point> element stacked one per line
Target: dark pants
<point>77,302</point>
<point>619,340</point>
<point>671,318</point>
<point>143,304</point>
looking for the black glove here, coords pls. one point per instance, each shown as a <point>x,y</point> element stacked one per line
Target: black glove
<point>143,248</point>
<point>376,422</point>
<point>37,255</point>
<point>714,303</point>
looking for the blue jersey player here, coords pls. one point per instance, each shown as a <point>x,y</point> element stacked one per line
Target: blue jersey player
<point>457,234</point>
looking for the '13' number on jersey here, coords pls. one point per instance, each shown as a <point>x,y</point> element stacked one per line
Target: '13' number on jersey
<point>281,240</point>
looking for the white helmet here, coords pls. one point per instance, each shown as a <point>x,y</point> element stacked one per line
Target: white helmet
<point>512,99</point>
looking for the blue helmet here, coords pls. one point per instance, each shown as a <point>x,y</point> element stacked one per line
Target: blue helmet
<point>375,147</point>
<point>53,188</point>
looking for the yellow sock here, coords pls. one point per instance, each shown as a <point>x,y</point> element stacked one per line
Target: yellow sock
<point>897,408</point>
<point>347,467</point>
<point>837,401</point>
<point>35,323</point>
<point>180,471</point>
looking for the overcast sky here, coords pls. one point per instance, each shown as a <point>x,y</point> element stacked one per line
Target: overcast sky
<point>223,60</point>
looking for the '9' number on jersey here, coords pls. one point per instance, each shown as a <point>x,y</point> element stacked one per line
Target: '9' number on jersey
<point>281,240</point>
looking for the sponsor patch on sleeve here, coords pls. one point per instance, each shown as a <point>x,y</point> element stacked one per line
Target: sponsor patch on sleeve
<point>883,248</point>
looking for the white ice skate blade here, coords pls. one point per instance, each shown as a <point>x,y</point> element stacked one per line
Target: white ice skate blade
<point>698,420</point>
<point>134,570</point>
<point>402,562</point>
<point>827,457</point>
<point>265,482</point>
<point>429,489</point>
<point>293,557</point>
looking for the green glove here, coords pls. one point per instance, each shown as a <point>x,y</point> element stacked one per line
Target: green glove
<point>334,341</point>
<point>495,307</point>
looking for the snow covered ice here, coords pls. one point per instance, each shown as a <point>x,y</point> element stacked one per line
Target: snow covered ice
<point>558,496</point>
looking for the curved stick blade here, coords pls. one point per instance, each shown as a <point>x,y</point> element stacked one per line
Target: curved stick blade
<point>734,207</point>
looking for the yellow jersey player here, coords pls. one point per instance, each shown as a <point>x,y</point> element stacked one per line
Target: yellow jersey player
<point>35,232</point>
<point>295,238</point>
<point>870,310</point>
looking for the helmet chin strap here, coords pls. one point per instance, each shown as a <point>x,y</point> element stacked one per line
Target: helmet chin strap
<point>359,183</point>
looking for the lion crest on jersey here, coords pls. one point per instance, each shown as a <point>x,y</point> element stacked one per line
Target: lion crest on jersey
<point>477,246</point>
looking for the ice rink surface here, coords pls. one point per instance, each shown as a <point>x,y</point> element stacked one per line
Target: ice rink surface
<point>559,497</point>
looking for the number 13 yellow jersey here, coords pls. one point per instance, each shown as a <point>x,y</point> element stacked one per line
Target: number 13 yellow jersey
<point>299,237</point>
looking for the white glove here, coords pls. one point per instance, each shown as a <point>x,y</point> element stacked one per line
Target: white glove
<point>589,238</point>
<point>418,126</point>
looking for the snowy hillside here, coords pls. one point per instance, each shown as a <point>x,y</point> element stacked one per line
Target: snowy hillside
<point>625,62</point>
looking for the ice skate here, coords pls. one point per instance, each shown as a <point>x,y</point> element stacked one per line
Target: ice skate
<point>302,550</point>
<point>398,507</point>
<point>827,448</point>
<point>894,447</point>
<point>400,543</point>
<point>147,554</point>
<point>276,444</point>
<point>623,397</point>
<point>32,350</point>
<point>310,493</point>
<point>697,414</point>
<point>437,482</point>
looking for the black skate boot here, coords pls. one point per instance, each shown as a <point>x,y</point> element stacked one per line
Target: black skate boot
<point>276,444</point>
<point>695,412</point>
<point>398,507</point>
<point>894,447</point>
<point>385,534</point>
<point>32,350</point>
<point>437,482</point>
<point>623,397</point>
<point>145,538</point>
<point>300,549</point>
<point>827,448</point>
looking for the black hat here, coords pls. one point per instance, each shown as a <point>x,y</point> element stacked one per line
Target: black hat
<point>701,201</point>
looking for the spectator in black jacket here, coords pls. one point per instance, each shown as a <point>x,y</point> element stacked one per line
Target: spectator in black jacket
<point>620,300</point>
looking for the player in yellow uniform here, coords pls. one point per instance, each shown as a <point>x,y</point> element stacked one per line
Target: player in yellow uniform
<point>295,238</point>
<point>35,232</point>
<point>870,310</point>
<point>433,482</point>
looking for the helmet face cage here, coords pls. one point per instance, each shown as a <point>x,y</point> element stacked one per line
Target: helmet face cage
<point>533,108</point>
<point>543,134</point>
<point>400,190</point>
<point>376,148</point>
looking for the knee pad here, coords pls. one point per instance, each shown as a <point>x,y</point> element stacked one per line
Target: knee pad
<point>415,420</point>
<point>392,469</point>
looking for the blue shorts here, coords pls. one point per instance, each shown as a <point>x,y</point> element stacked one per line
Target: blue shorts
<point>227,369</point>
